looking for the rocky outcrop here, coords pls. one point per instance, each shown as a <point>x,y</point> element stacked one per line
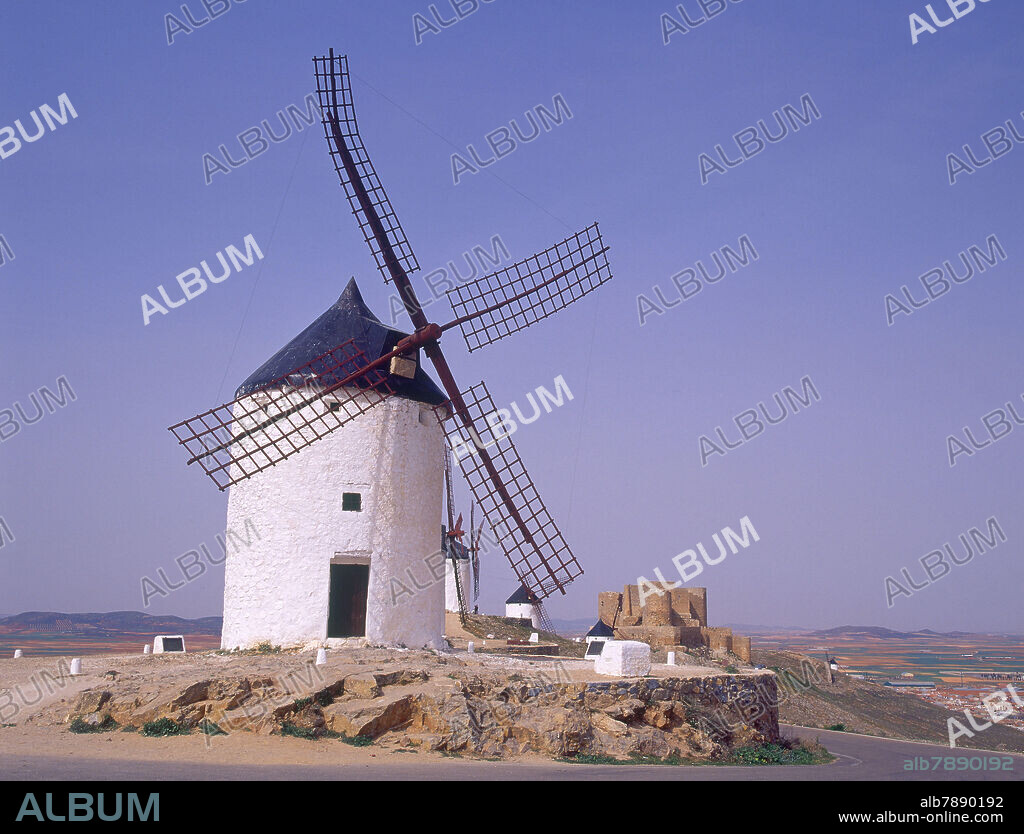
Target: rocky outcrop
<point>487,713</point>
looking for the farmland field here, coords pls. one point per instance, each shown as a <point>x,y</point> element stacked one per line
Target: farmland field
<point>938,659</point>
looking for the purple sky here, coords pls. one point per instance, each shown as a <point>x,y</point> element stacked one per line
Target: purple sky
<point>851,207</point>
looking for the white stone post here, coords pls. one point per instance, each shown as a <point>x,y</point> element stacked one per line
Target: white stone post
<point>17,653</point>
<point>76,666</point>
<point>671,660</point>
<point>321,657</point>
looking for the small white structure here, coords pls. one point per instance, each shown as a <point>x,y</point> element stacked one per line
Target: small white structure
<point>624,659</point>
<point>17,653</point>
<point>76,666</point>
<point>321,657</point>
<point>456,558</point>
<point>169,644</point>
<point>146,649</point>
<point>599,632</point>
<point>340,539</point>
<point>524,605</point>
<point>598,635</point>
<point>671,659</point>
<point>535,637</point>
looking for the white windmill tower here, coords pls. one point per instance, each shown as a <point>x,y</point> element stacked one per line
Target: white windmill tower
<point>347,529</point>
<point>524,605</point>
<point>458,574</point>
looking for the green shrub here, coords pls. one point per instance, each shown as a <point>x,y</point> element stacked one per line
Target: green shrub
<point>592,759</point>
<point>732,670</point>
<point>80,727</point>
<point>302,703</point>
<point>765,754</point>
<point>311,734</point>
<point>324,699</point>
<point>785,752</point>
<point>164,727</point>
<point>673,759</point>
<point>289,729</point>
<point>841,728</point>
<point>357,741</point>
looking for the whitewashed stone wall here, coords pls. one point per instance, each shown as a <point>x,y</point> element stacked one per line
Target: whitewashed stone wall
<point>277,587</point>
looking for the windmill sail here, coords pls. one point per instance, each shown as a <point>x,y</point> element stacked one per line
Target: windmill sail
<point>522,294</point>
<point>355,170</point>
<point>527,534</point>
<point>275,421</point>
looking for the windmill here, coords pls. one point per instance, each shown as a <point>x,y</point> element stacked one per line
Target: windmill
<point>283,416</point>
<point>458,562</point>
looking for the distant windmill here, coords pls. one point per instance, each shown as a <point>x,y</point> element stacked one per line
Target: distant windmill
<point>272,419</point>
<point>458,562</point>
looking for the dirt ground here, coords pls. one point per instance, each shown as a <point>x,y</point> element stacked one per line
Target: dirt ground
<point>234,749</point>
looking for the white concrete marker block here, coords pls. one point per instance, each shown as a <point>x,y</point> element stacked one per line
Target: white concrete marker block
<point>17,653</point>
<point>535,637</point>
<point>624,659</point>
<point>76,666</point>
<point>321,657</point>
<point>145,649</point>
<point>470,647</point>
<point>169,644</point>
<point>671,660</point>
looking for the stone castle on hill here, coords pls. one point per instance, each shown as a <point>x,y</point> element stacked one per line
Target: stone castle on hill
<point>675,618</point>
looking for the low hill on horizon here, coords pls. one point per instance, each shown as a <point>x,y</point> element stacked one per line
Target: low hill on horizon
<point>111,622</point>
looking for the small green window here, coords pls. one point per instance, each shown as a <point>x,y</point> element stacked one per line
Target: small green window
<point>351,501</point>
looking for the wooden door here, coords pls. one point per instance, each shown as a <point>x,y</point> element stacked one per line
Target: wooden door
<point>346,616</point>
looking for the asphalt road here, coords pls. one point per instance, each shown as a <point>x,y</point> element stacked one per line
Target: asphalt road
<point>859,758</point>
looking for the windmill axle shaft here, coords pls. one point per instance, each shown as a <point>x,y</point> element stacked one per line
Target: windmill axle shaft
<point>424,335</point>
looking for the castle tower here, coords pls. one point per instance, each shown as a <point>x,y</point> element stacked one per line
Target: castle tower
<point>341,538</point>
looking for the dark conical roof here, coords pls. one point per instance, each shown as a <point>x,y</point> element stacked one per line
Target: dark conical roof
<point>522,596</point>
<point>348,318</point>
<point>601,629</point>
